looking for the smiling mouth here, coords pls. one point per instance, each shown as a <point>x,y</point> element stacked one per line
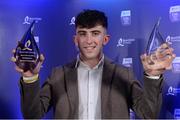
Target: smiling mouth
<point>90,47</point>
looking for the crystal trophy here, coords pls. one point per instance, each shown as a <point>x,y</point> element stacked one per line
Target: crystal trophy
<point>27,53</point>
<point>155,40</point>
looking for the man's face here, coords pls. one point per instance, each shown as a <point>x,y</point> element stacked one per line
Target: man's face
<point>90,41</point>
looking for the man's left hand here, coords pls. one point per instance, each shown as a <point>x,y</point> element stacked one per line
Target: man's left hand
<point>155,64</point>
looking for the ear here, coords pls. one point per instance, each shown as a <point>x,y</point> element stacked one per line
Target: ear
<point>106,39</point>
<point>75,40</point>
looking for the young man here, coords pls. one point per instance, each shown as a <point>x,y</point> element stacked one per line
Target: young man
<point>92,86</point>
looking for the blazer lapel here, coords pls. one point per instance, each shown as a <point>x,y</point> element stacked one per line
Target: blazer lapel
<point>72,88</point>
<point>108,71</point>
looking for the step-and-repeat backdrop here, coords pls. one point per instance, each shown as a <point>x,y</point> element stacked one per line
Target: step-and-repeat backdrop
<point>130,24</point>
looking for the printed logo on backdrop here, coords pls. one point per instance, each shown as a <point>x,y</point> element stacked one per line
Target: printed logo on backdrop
<point>29,20</point>
<point>127,62</point>
<point>173,91</point>
<point>168,39</point>
<point>177,113</point>
<point>126,17</point>
<point>172,39</point>
<point>72,22</point>
<point>122,42</point>
<point>174,13</point>
<point>176,65</point>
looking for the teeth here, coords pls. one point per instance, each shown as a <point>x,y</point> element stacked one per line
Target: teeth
<point>90,47</point>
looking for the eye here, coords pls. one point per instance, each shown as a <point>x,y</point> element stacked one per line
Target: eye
<point>82,34</point>
<point>96,33</point>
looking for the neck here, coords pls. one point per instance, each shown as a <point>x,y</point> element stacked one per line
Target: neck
<point>91,62</point>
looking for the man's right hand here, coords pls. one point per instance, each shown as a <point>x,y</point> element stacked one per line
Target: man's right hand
<point>28,73</point>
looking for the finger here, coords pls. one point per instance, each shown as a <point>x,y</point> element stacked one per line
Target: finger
<point>19,69</point>
<point>143,57</point>
<point>38,67</point>
<point>163,49</point>
<point>164,53</point>
<point>153,57</point>
<point>169,67</point>
<point>167,62</point>
<point>165,45</point>
<point>172,57</point>
<point>42,58</point>
<point>146,62</point>
<point>13,51</point>
<point>13,59</point>
<point>149,59</point>
<point>167,51</point>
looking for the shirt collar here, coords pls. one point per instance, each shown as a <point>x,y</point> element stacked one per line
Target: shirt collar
<point>80,62</point>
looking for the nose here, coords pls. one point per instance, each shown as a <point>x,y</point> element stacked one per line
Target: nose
<point>89,39</point>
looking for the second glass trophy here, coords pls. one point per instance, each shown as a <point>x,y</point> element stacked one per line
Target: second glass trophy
<point>155,40</point>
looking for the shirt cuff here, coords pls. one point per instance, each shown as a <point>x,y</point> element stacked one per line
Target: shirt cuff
<point>152,77</point>
<point>31,79</point>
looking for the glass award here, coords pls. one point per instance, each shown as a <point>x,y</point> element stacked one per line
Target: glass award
<point>155,40</point>
<point>27,53</point>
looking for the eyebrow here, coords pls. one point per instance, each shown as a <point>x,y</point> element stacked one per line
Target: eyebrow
<point>81,31</point>
<point>96,31</point>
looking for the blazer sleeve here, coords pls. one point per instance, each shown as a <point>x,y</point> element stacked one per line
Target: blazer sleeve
<point>36,101</point>
<point>146,100</point>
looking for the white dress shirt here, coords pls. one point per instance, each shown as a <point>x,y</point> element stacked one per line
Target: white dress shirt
<point>89,88</point>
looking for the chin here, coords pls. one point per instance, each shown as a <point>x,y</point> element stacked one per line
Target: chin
<point>90,56</point>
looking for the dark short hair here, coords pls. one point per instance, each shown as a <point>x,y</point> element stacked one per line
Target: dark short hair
<point>91,18</point>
